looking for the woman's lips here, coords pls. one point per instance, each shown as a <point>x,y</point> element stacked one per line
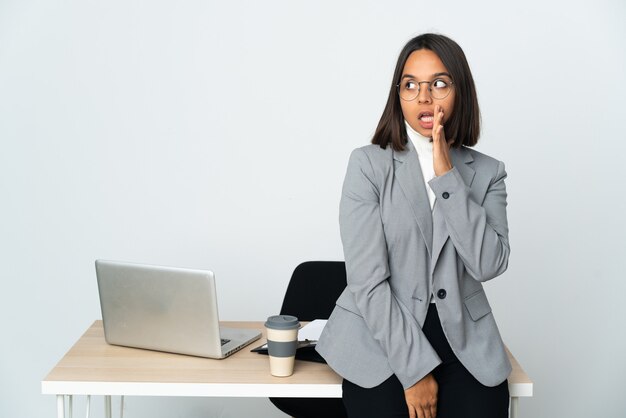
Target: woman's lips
<point>426,121</point>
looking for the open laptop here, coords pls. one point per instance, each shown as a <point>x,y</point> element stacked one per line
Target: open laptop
<point>165,309</point>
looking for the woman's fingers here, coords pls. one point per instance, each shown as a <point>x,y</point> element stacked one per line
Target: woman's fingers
<point>433,410</point>
<point>438,124</point>
<point>441,154</point>
<point>422,413</point>
<point>425,413</point>
<point>421,397</point>
<point>440,133</point>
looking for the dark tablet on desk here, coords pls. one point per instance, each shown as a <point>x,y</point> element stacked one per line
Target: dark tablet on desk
<point>306,351</point>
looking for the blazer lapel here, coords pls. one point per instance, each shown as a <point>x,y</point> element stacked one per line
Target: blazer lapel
<point>462,160</point>
<point>408,172</point>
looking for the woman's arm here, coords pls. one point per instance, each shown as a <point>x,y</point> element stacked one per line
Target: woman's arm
<point>480,234</point>
<point>409,353</point>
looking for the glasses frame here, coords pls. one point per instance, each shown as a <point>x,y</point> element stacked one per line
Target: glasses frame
<point>430,89</point>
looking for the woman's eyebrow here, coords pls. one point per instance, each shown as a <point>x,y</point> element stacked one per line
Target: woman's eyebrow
<point>434,75</point>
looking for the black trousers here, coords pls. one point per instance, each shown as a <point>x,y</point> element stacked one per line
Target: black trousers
<point>460,395</point>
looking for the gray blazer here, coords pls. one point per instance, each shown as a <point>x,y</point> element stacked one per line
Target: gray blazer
<point>398,252</point>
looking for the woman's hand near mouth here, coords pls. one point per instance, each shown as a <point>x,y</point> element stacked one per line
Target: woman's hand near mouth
<point>441,149</point>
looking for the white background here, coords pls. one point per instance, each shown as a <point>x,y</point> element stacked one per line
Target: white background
<point>216,135</point>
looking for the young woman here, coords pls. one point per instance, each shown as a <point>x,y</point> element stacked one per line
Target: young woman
<point>423,223</point>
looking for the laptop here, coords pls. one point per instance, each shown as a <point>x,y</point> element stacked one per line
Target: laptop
<point>165,309</point>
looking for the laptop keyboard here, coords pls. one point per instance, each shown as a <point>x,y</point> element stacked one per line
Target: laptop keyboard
<point>224,341</point>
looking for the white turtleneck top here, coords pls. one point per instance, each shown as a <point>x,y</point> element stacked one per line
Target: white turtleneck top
<point>424,148</point>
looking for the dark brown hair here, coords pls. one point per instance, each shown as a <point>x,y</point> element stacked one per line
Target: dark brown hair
<point>463,128</point>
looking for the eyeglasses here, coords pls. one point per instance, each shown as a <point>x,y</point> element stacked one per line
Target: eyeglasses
<point>438,88</point>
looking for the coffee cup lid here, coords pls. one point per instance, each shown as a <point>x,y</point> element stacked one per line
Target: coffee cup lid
<point>282,322</point>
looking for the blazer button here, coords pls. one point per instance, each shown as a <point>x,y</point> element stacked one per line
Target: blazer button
<point>445,195</point>
<point>441,294</point>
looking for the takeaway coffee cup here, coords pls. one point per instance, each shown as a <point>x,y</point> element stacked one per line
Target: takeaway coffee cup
<point>282,341</point>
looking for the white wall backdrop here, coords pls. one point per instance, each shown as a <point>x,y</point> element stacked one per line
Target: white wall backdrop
<point>216,135</point>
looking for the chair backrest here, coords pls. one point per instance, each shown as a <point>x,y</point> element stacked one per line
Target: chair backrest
<point>313,289</point>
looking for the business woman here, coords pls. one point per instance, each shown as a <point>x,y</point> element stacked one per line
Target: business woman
<point>423,224</point>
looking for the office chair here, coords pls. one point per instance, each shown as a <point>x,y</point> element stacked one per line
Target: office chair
<point>311,294</point>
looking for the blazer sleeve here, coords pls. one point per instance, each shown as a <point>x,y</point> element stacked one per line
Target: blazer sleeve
<point>410,355</point>
<point>480,233</point>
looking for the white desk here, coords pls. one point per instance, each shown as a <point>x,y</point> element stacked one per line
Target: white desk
<point>93,367</point>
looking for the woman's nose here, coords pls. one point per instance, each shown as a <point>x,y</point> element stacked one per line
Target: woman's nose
<point>423,96</point>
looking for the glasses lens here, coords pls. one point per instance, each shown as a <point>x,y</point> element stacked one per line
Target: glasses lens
<point>408,90</point>
<point>440,88</point>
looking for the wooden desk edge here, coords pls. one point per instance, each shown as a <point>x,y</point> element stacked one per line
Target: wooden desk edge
<point>520,384</point>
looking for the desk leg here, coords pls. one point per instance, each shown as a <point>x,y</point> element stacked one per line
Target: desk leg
<point>514,406</point>
<point>60,406</point>
<point>107,406</point>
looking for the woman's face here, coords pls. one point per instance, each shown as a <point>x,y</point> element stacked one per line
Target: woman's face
<point>425,66</point>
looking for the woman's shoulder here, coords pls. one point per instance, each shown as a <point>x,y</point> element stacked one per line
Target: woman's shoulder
<point>482,158</point>
<point>373,150</point>
<point>372,161</point>
<point>371,153</point>
<point>482,161</point>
